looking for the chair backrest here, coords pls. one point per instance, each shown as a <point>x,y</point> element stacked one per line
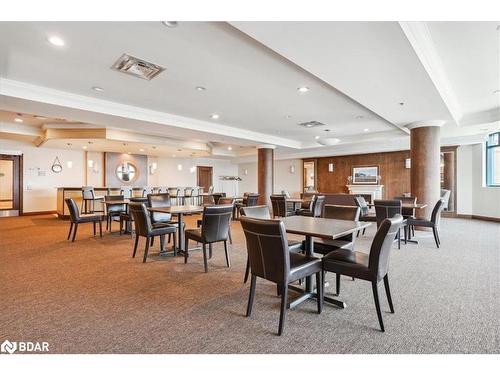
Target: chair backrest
<point>217,196</point>
<point>436,212</point>
<point>252,199</point>
<point>88,192</point>
<point>257,212</point>
<point>208,199</point>
<point>114,208</point>
<point>140,214</point>
<point>188,192</point>
<point>267,248</point>
<point>159,200</point>
<point>74,214</point>
<point>350,213</point>
<point>445,197</point>
<point>126,191</point>
<point>215,223</point>
<point>285,193</point>
<point>224,200</point>
<point>386,209</point>
<point>147,190</point>
<point>278,203</point>
<point>362,204</point>
<point>380,250</point>
<point>317,205</point>
<point>173,192</point>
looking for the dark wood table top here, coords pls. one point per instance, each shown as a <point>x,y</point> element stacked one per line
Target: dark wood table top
<point>406,205</point>
<point>188,209</point>
<point>125,201</point>
<point>321,227</point>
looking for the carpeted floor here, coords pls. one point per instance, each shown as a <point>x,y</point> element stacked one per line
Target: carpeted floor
<point>92,297</point>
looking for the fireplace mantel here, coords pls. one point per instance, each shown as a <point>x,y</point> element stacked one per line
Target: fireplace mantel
<point>376,191</point>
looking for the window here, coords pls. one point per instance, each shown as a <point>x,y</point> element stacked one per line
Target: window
<point>493,160</point>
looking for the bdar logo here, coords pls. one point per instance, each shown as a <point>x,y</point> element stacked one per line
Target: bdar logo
<point>8,347</point>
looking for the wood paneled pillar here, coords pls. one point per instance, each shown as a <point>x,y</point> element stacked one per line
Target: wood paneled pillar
<point>265,172</point>
<point>425,156</point>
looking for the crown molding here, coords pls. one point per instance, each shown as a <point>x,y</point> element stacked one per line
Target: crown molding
<point>420,38</point>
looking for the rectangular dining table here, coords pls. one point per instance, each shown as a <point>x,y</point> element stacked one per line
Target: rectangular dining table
<point>312,227</point>
<point>180,211</point>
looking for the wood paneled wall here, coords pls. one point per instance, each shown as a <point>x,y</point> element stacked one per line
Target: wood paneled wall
<point>394,176</point>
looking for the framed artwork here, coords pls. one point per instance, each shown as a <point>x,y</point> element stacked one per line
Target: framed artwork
<point>365,175</point>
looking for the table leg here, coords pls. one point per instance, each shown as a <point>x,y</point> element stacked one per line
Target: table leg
<point>180,243</point>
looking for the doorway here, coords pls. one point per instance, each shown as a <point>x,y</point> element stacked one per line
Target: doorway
<point>309,175</point>
<point>10,185</point>
<point>448,179</point>
<point>204,179</point>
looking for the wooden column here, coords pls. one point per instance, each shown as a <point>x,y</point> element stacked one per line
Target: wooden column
<point>265,173</point>
<point>425,156</point>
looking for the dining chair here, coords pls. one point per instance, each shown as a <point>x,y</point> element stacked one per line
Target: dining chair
<point>214,228</point>
<point>188,195</point>
<point>144,228</point>
<point>280,206</point>
<point>262,212</point>
<point>316,207</point>
<point>271,259</point>
<point>222,201</point>
<point>146,190</point>
<point>113,210</point>
<point>408,212</point>
<point>174,193</point>
<point>389,208</point>
<point>372,267</point>
<point>159,219</point>
<point>89,198</point>
<point>218,196</point>
<point>432,223</point>
<point>126,191</point>
<point>77,218</point>
<point>365,211</point>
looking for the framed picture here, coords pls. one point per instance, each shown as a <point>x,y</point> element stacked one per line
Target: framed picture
<point>365,175</point>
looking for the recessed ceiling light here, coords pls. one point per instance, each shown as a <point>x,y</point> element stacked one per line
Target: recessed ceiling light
<point>170,23</point>
<point>68,144</point>
<point>303,89</point>
<point>141,150</point>
<point>179,149</point>
<point>17,119</point>
<point>401,103</point>
<point>84,147</point>
<point>366,130</point>
<point>316,137</point>
<point>125,144</point>
<point>97,88</point>
<point>200,88</point>
<point>329,141</point>
<point>214,116</point>
<point>229,148</point>
<point>56,41</point>
<point>326,130</point>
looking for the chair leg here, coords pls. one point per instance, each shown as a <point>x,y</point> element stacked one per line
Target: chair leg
<point>210,251</point>
<point>377,305</point>
<point>436,238</point>
<point>284,303</point>
<point>100,229</point>
<point>175,245</point>
<point>93,224</point>
<point>399,238</point>
<point>230,237</point>
<point>70,230</point>
<point>228,263</point>
<point>186,253</point>
<point>135,245</point>
<point>405,230</point>
<point>388,292</point>
<point>146,249</point>
<point>107,222</point>
<point>364,230</point>
<point>74,233</point>
<point>247,271</point>
<point>152,240</point>
<point>251,295</point>
<point>169,237</point>
<point>337,284</point>
<point>205,263</point>
<point>121,226</point>
<point>162,243</point>
<point>320,285</point>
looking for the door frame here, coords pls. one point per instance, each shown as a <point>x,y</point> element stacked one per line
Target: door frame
<point>17,181</point>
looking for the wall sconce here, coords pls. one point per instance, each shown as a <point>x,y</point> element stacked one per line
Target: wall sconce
<point>192,169</point>
<point>152,168</point>
<point>245,172</point>
<point>179,167</point>
<point>408,163</point>
<point>292,168</point>
<point>330,167</point>
<point>69,164</point>
<point>90,163</point>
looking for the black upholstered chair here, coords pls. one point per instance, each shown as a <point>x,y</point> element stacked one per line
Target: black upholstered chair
<point>218,196</point>
<point>76,218</point>
<point>144,228</point>
<point>388,208</point>
<point>88,199</point>
<point>365,211</point>
<point>214,228</point>
<point>316,207</point>
<point>146,190</point>
<point>262,212</point>
<point>407,212</point>
<point>249,200</point>
<point>281,208</point>
<point>113,210</point>
<point>432,223</point>
<point>221,201</point>
<point>271,260</point>
<point>373,267</point>
<point>159,219</point>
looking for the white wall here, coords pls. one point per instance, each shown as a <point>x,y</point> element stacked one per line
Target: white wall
<point>39,182</point>
<point>473,196</point>
<point>283,178</point>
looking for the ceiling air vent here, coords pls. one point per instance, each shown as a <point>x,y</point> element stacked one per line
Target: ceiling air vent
<point>137,67</point>
<point>311,124</point>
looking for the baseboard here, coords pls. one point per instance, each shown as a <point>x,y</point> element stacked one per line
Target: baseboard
<point>34,213</point>
<point>479,217</point>
<point>463,216</point>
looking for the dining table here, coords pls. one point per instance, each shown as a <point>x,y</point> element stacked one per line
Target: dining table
<point>124,202</point>
<point>316,227</point>
<point>179,211</point>
<point>296,202</point>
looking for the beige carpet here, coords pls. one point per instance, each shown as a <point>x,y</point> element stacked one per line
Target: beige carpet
<point>92,297</point>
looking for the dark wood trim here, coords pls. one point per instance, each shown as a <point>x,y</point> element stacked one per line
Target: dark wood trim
<point>478,217</point>
<point>36,213</point>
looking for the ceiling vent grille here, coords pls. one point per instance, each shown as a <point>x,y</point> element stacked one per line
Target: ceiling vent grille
<point>311,124</point>
<point>137,67</point>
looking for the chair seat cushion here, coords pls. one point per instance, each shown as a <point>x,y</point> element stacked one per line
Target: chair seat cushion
<point>349,263</point>
<point>302,266</point>
<point>324,246</point>
<point>419,222</point>
<point>165,229</point>
<point>193,234</point>
<point>88,218</point>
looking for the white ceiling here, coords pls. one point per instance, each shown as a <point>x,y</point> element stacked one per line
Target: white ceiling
<point>357,72</point>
